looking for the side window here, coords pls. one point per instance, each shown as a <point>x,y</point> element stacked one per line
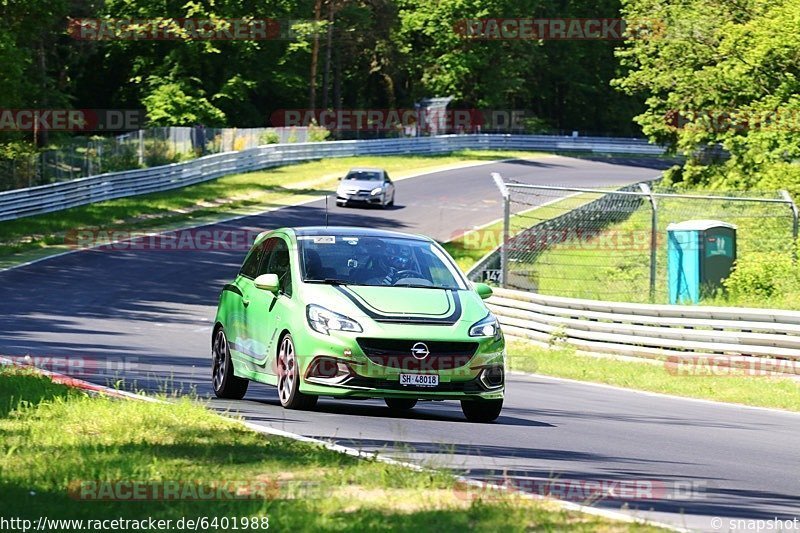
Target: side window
<point>277,262</point>
<point>251,264</point>
<point>386,178</point>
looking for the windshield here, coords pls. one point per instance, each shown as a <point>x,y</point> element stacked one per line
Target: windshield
<point>364,175</point>
<point>376,261</point>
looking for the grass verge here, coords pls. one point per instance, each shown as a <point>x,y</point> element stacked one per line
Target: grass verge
<point>239,194</point>
<point>611,261</point>
<point>615,265</point>
<point>778,393</point>
<point>57,441</point>
<point>468,248</point>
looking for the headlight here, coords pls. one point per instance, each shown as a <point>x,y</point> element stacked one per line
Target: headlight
<point>376,191</point>
<point>486,327</point>
<point>324,321</point>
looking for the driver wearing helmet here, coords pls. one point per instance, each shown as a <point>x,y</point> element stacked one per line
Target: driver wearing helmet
<point>382,261</point>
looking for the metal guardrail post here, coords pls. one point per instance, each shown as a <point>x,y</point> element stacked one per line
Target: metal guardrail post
<point>506,194</point>
<point>785,194</point>
<point>653,238</point>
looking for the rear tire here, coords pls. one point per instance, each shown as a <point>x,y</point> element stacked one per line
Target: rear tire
<point>391,203</point>
<point>289,378</point>
<point>400,404</point>
<point>481,410</point>
<point>226,384</point>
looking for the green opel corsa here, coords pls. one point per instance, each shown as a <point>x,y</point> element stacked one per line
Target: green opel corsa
<point>358,313</point>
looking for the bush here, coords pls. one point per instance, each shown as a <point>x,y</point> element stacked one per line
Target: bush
<point>536,125</point>
<point>269,137</point>
<point>124,156</point>
<point>239,144</point>
<point>158,152</point>
<point>761,276</point>
<point>317,133</point>
<point>18,165</point>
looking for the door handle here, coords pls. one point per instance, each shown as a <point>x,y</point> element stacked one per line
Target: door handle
<point>245,302</point>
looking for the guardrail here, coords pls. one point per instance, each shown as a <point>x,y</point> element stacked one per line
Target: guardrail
<point>48,198</point>
<point>758,340</point>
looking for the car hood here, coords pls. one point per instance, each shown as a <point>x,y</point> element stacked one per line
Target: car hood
<point>366,185</point>
<point>400,304</point>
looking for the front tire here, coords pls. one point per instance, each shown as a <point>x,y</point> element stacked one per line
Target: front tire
<point>289,378</point>
<point>400,404</point>
<point>226,384</point>
<point>481,410</point>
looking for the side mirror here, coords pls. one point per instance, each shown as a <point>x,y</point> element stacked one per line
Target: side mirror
<point>268,282</point>
<point>483,290</point>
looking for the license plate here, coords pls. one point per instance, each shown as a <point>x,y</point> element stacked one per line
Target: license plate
<point>419,380</point>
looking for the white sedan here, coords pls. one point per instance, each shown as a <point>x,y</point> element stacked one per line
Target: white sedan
<point>368,186</point>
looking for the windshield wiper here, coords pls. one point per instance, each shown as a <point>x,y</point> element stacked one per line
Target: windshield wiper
<point>420,286</point>
<point>329,281</point>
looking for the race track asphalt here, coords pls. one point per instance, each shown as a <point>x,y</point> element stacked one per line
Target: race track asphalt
<point>145,316</point>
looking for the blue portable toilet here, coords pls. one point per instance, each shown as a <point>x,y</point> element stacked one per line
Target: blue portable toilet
<point>700,255</point>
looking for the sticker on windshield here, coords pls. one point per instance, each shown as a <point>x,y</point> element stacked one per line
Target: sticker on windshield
<point>326,239</point>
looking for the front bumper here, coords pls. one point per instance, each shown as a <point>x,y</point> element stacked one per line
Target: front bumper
<point>479,376</point>
<point>342,199</point>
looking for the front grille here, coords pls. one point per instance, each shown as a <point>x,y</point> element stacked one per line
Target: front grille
<point>396,353</point>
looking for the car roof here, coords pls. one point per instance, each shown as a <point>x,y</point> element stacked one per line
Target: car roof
<point>351,231</point>
<point>366,169</point>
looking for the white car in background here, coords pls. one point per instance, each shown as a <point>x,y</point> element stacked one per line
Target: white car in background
<point>368,186</point>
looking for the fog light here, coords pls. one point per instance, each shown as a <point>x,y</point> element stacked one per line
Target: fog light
<point>328,368</point>
<point>492,377</point>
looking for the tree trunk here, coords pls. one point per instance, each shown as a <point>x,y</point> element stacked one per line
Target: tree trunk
<point>337,79</point>
<point>41,137</point>
<point>326,75</point>
<point>312,93</point>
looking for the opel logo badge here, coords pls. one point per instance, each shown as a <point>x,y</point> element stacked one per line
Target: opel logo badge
<point>420,351</point>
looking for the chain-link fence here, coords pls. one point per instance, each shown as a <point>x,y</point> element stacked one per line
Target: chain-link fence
<point>89,156</point>
<point>611,244</point>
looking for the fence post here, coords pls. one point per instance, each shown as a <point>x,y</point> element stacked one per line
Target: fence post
<point>653,238</point>
<point>498,180</point>
<point>786,196</point>
<point>141,147</point>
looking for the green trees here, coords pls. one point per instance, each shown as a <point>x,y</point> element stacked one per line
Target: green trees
<point>565,83</point>
<point>357,53</point>
<point>721,73</point>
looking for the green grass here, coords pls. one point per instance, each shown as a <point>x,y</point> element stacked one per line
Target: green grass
<point>55,439</point>
<point>615,264</point>
<point>779,393</point>
<point>36,236</point>
<point>469,248</point>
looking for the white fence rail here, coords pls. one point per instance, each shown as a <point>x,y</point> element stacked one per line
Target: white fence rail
<point>758,341</point>
<point>48,198</point>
